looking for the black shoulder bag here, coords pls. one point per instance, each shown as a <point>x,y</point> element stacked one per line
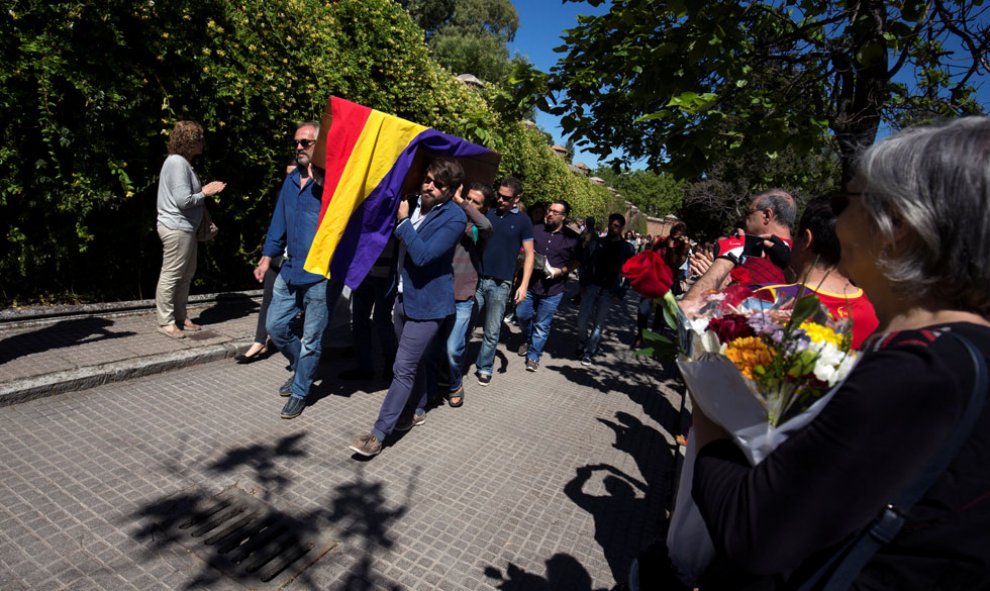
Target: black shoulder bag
<point>841,570</point>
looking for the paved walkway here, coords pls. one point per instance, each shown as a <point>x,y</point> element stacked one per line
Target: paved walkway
<point>545,480</point>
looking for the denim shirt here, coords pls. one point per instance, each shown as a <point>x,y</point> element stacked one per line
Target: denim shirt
<point>294,224</point>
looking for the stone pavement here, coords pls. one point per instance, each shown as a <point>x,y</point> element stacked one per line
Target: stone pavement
<point>545,480</point>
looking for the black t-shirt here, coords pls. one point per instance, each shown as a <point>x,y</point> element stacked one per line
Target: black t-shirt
<point>830,479</point>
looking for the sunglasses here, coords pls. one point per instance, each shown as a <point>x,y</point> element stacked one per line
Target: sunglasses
<point>839,200</point>
<point>304,143</point>
<point>505,197</point>
<point>429,180</point>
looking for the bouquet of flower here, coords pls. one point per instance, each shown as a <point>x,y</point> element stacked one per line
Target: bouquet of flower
<point>759,369</point>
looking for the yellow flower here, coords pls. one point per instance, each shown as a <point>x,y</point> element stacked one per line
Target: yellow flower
<point>821,334</point>
<point>747,353</point>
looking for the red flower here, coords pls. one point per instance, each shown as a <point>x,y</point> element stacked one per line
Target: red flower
<point>730,327</point>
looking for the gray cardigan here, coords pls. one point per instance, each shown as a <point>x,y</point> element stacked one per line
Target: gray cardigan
<point>180,195</point>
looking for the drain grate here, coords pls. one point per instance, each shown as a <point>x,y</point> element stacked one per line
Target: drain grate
<point>245,538</point>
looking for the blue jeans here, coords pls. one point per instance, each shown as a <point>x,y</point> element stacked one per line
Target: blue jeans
<point>303,354</point>
<point>457,342</point>
<point>492,295</point>
<point>409,372</point>
<point>595,304</point>
<point>535,313</point>
<point>374,292</point>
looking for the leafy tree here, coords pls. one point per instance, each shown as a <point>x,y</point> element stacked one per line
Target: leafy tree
<point>654,194</point>
<point>92,89</point>
<point>468,36</point>
<point>685,84</point>
<point>89,91</point>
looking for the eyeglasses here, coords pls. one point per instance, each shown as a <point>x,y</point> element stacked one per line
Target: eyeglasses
<point>840,200</point>
<point>555,212</point>
<point>429,180</point>
<point>304,143</point>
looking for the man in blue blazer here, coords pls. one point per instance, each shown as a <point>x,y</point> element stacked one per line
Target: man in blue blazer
<point>427,237</point>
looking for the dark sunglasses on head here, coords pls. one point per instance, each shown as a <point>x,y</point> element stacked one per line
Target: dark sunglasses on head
<point>840,200</point>
<point>429,180</point>
<point>304,143</point>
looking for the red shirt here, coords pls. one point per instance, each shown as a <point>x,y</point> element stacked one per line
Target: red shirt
<point>854,306</point>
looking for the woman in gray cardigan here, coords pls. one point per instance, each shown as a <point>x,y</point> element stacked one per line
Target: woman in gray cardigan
<point>180,211</point>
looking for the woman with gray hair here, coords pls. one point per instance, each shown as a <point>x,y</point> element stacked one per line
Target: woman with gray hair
<point>180,211</point>
<point>888,487</point>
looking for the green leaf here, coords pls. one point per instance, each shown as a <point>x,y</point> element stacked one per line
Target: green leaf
<point>805,307</point>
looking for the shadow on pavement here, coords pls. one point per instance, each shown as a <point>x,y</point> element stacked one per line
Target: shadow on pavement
<point>564,573</point>
<point>227,307</point>
<point>356,513</point>
<point>66,333</point>
<point>262,459</point>
<point>618,515</point>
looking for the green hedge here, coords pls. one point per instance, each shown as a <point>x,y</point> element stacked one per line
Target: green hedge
<point>91,90</point>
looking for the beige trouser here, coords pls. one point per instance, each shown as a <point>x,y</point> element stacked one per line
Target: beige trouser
<point>178,268</point>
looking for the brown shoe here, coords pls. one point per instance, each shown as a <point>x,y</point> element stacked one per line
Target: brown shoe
<point>190,325</point>
<point>367,446</point>
<point>171,330</point>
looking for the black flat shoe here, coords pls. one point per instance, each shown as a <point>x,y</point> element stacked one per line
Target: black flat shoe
<point>245,359</point>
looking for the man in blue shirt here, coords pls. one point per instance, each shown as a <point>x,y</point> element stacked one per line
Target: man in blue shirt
<point>293,226</point>
<point>428,229</point>
<point>511,229</point>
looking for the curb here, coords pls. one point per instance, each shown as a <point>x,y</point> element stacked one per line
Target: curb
<point>32,316</point>
<point>82,378</point>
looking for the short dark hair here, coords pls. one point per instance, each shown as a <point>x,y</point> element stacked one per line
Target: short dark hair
<point>617,216</point>
<point>447,171</point>
<point>564,204</point>
<point>819,219</point>
<point>485,190</point>
<point>514,185</point>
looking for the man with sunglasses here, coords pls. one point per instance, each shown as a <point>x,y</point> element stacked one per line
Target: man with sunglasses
<point>758,254</point>
<point>511,230</point>
<point>428,229</point>
<point>293,226</point>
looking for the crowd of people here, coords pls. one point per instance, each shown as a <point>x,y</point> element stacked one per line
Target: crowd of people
<point>902,252</point>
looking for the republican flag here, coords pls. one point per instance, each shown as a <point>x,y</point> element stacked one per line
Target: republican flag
<point>372,160</point>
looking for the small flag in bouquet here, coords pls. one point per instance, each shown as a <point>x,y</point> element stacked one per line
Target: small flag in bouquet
<point>761,371</point>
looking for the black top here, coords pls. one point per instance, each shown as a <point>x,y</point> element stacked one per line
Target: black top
<point>829,480</point>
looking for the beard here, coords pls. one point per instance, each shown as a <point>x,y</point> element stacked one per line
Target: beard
<point>302,159</point>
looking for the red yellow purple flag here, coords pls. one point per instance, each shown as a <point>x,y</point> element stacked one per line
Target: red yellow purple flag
<point>371,157</point>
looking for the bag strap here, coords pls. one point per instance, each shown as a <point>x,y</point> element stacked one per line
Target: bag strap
<point>845,565</point>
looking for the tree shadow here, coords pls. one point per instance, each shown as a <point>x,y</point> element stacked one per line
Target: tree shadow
<point>619,515</point>
<point>237,546</point>
<point>361,518</point>
<point>563,573</point>
<point>262,459</point>
<point>66,333</point>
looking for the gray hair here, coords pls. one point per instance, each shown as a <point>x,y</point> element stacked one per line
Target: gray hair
<point>780,202</point>
<point>935,182</point>
<point>313,124</point>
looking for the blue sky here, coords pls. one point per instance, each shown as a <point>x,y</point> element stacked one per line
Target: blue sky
<point>541,24</point>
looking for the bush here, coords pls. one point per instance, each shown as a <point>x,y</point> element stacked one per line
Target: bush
<point>91,90</point>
